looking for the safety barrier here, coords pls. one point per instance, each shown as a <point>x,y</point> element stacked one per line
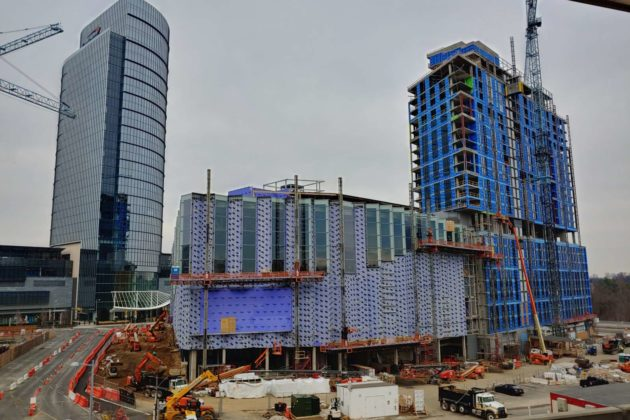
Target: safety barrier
<point>104,393</point>
<point>32,406</point>
<point>94,356</point>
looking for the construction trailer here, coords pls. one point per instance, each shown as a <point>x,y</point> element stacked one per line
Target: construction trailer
<point>474,145</point>
<point>368,400</point>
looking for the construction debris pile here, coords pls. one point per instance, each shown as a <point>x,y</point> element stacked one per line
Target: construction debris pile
<point>128,353</point>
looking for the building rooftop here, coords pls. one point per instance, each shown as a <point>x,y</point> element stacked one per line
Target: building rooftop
<point>17,251</point>
<point>361,385</point>
<point>438,56</point>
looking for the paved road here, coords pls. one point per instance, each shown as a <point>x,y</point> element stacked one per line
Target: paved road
<point>52,401</point>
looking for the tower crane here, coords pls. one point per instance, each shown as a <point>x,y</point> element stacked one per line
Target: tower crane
<point>26,94</point>
<point>544,156</point>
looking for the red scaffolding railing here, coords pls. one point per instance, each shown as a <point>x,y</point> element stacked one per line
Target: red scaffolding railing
<point>208,279</point>
<point>349,345</point>
<point>432,245</point>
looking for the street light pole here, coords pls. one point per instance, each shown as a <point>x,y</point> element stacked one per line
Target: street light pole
<point>155,403</point>
<point>91,388</point>
<point>96,314</point>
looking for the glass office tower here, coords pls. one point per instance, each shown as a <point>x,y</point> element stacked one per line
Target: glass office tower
<point>109,171</point>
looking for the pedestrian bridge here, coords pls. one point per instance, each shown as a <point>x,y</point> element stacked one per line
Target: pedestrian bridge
<point>144,300</point>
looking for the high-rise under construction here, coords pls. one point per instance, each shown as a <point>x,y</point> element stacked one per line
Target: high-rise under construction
<point>474,160</point>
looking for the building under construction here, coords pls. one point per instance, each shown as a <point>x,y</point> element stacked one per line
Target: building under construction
<point>476,158</point>
<point>314,281</point>
<point>340,280</point>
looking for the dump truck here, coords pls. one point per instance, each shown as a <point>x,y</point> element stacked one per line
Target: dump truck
<point>476,401</point>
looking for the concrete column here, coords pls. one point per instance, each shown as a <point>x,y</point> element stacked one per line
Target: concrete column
<point>396,356</point>
<point>267,359</point>
<point>192,365</point>
<point>286,358</point>
<point>223,356</point>
<point>464,350</point>
<point>439,350</point>
<point>340,361</point>
<point>314,359</point>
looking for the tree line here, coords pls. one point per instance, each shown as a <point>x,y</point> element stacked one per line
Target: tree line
<point>611,296</point>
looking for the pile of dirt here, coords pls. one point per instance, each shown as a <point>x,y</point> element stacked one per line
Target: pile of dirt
<point>165,350</point>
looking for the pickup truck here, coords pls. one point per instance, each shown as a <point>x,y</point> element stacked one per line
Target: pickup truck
<point>476,401</point>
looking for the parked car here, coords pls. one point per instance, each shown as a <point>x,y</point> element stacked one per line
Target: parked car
<point>592,381</point>
<point>509,389</point>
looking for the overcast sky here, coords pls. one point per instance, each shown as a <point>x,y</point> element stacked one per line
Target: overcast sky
<point>263,90</point>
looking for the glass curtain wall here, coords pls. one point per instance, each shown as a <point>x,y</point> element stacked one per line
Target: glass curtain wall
<point>321,212</point>
<point>306,219</point>
<point>278,234</point>
<point>373,235</point>
<point>349,239</point>
<point>220,232</point>
<point>249,235</point>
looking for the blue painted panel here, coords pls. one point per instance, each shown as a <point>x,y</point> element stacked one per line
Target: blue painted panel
<point>255,309</point>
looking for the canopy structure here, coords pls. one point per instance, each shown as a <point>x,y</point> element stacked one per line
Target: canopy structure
<point>145,300</point>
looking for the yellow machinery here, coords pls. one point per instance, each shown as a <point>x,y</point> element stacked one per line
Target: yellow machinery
<point>540,356</point>
<point>181,407</point>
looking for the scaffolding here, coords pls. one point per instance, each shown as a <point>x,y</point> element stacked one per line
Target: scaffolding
<point>231,279</point>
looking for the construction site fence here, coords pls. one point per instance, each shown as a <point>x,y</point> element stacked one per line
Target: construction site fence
<point>33,339</point>
<point>90,357</point>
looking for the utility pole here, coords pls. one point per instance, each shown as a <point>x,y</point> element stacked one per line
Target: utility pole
<point>204,356</point>
<point>155,402</point>
<point>342,271</point>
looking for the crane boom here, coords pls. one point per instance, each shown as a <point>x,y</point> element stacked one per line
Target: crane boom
<point>36,98</point>
<point>206,375</point>
<point>26,94</point>
<point>47,32</point>
<point>521,259</point>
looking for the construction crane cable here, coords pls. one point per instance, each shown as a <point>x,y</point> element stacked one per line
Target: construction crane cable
<point>16,68</point>
<point>22,30</point>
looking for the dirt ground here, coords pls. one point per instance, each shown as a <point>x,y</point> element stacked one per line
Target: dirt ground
<point>535,400</point>
<point>165,350</point>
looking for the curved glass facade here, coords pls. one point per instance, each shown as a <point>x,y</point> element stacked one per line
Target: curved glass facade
<point>109,173</point>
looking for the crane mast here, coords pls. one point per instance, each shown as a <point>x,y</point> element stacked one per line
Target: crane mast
<point>543,155</point>
<point>26,94</point>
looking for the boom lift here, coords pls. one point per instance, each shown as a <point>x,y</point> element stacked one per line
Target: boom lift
<point>536,356</point>
<point>181,407</point>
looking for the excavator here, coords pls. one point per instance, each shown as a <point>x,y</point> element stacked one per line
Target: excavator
<point>139,380</point>
<point>181,406</point>
<point>158,325</point>
<point>540,356</point>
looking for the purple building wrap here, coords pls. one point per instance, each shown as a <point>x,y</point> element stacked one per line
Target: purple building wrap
<point>256,310</point>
